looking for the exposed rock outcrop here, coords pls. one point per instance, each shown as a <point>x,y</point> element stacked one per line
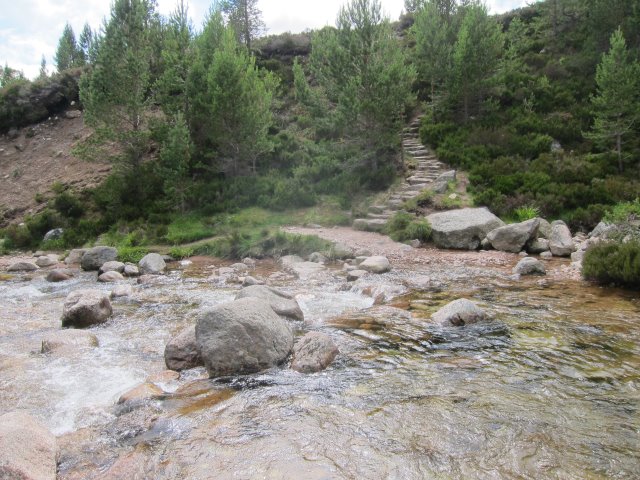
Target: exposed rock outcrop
<point>462,229</point>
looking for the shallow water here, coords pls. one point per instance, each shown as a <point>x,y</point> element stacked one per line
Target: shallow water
<point>549,388</point>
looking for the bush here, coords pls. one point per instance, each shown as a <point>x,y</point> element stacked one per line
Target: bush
<point>188,229</point>
<point>181,252</point>
<point>404,226</point>
<point>131,254</point>
<point>624,212</point>
<point>617,263</point>
<point>527,212</point>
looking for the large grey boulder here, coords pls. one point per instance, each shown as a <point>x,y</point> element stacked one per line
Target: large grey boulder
<point>242,337</point>
<point>538,245</point>
<point>313,352</point>
<point>54,234</point>
<point>181,353</point>
<point>462,229</point>
<point>152,264</point>
<point>340,251</point>
<point>544,230</point>
<point>561,242</point>
<point>47,260</point>
<point>376,264</point>
<point>512,238</point>
<point>84,308</point>
<point>458,313</point>
<point>95,257</point>
<point>113,266</point>
<point>529,266</point>
<point>27,449</point>
<point>281,303</point>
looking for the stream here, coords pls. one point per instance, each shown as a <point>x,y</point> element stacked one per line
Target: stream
<point>549,388</point>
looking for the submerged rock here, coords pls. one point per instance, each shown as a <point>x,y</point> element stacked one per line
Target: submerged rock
<point>313,352</point>
<point>146,391</point>
<point>84,308</point>
<point>181,353</point>
<point>27,449</point>
<point>353,275</point>
<point>458,313</point>
<point>529,266</point>
<point>462,229</point>
<point>242,337</point>
<point>61,340</point>
<point>120,291</point>
<point>281,303</point>
<point>59,275</point>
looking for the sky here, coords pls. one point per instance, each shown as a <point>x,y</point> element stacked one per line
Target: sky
<point>30,29</point>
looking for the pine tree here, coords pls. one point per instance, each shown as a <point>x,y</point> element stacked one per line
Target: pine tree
<point>616,103</point>
<point>362,69</point>
<point>115,94</point>
<point>174,162</point>
<point>43,69</point>
<point>476,57</point>
<point>246,19</point>
<point>67,55</point>
<point>85,45</point>
<point>171,87</point>
<point>241,100</point>
<point>9,75</point>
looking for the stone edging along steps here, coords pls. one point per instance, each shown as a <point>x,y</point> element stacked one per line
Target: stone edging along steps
<point>429,174</point>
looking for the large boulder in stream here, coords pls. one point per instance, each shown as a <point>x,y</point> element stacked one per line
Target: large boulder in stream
<point>281,303</point>
<point>458,313</point>
<point>95,257</point>
<point>313,352</point>
<point>242,337</point>
<point>512,238</point>
<point>84,308</point>
<point>27,449</point>
<point>181,353</point>
<point>376,264</point>
<point>152,264</point>
<point>462,229</point>
<point>529,266</point>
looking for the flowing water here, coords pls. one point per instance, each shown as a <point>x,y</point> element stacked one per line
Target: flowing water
<point>549,388</point>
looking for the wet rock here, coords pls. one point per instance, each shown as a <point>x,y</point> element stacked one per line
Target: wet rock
<point>152,264</point>
<point>146,391</point>
<point>281,303</point>
<point>313,353</point>
<point>249,281</point>
<point>458,313</point>
<point>560,242</point>
<point>62,340</point>
<point>22,267</point>
<point>376,264</point>
<point>354,275</point>
<point>131,270</point>
<point>462,229</point>
<point>242,337</point>
<point>75,256</point>
<point>110,277</point>
<point>166,376</point>
<point>95,257</point>
<point>47,261</point>
<point>54,234</point>
<point>340,251</point>
<point>289,260</point>
<point>27,449</point>
<point>317,257</point>
<point>149,280</point>
<point>249,262</point>
<point>240,267</point>
<point>226,271</point>
<point>59,275</point>
<point>181,353</point>
<point>512,238</point>
<point>538,246</point>
<point>529,266</point>
<point>546,255</point>
<point>121,291</point>
<point>84,308</point>
<point>113,266</point>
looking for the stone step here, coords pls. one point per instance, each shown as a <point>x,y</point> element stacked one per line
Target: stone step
<point>418,181</point>
<point>379,216</point>
<point>376,208</point>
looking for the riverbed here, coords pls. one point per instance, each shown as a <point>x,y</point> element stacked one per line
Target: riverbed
<point>548,388</point>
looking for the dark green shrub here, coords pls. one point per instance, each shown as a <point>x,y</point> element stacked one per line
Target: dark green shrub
<point>617,263</point>
<point>404,226</point>
<point>68,205</point>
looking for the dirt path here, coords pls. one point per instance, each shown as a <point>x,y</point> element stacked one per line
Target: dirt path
<point>404,256</point>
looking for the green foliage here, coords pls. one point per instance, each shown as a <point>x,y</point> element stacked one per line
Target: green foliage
<point>610,262</point>
<point>404,226</point>
<point>184,229</point>
<point>180,253</point>
<point>623,212</point>
<point>246,19</point>
<point>526,212</point>
<point>173,164</point>
<point>131,254</point>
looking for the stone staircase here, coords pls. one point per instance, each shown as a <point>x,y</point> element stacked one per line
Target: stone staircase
<point>429,174</point>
